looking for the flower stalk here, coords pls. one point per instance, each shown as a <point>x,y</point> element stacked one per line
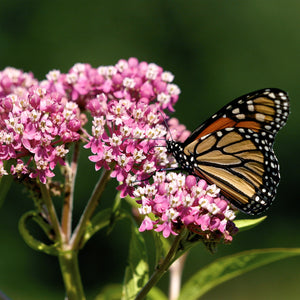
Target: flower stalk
<point>70,176</point>
<point>51,211</point>
<point>175,277</point>
<point>89,209</point>
<point>68,262</point>
<point>163,267</point>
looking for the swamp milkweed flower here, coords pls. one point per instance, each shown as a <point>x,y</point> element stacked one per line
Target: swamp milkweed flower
<point>126,103</point>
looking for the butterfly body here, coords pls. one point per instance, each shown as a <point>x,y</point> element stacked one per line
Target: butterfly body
<point>234,149</point>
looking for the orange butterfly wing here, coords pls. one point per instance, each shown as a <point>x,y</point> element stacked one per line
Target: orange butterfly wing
<point>234,149</point>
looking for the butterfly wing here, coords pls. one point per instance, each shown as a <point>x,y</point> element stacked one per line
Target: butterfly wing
<point>234,148</point>
<point>263,110</point>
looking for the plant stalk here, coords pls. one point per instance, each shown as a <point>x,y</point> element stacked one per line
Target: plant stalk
<point>162,268</point>
<point>66,219</point>
<point>51,211</point>
<point>89,209</point>
<point>68,262</point>
<point>176,270</point>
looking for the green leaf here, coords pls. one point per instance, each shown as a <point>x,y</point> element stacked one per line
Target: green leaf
<point>114,213</point>
<point>231,266</point>
<point>132,201</point>
<point>137,272</point>
<point>99,221</point>
<point>246,224</point>
<point>32,241</point>
<point>114,292</point>
<point>110,292</point>
<point>156,293</point>
<point>162,246</point>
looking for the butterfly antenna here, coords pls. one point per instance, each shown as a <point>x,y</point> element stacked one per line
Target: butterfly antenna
<point>166,124</point>
<point>142,139</point>
<point>145,179</point>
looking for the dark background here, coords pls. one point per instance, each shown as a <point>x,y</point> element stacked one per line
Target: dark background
<point>217,50</point>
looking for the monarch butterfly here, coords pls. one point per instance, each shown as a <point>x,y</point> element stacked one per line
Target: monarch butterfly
<point>234,149</point>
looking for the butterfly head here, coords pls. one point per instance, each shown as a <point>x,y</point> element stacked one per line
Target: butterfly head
<point>177,150</point>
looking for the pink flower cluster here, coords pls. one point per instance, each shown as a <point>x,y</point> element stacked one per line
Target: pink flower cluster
<point>14,81</point>
<point>126,103</point>
<point>132,80</point>
<point>182,200</point>
<point>35,128</point>
<point>128,121</point>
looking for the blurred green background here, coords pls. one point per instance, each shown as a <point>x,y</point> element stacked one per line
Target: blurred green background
<point>217,50</point>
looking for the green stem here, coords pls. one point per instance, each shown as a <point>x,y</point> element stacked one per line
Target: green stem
<point>51,211</point>
<point>70,175</point>
<point>89,209</point>
<point>162,268</point>
<point>68,262</point>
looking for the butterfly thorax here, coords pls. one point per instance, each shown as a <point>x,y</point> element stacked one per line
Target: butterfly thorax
<point>186,162</point>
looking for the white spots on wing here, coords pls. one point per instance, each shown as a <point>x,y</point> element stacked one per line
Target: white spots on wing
<point>268,127</point>
<point>236,111</point>
<point>272,95</point>
<point>260,117</point>
<point>251,107</point>
<point>240,116</point>
<point>205,136</point>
